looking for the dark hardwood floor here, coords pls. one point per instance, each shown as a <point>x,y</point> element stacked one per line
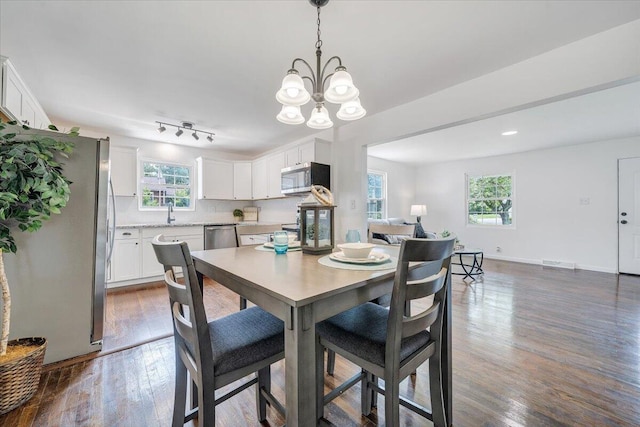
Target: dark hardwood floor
<point>532,346</point>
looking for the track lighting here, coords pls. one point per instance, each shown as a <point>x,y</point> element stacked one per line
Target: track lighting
<point>186,126</point>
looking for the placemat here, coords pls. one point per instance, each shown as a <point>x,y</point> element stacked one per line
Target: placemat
<point>389,265</point>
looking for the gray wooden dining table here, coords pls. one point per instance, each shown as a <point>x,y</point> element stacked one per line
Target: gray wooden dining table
<point>300,291</point>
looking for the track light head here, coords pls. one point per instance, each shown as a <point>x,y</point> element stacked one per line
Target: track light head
<point>195,136</point>
<point>210,138</point>
<point>161,128</point>
<point>179,132</point>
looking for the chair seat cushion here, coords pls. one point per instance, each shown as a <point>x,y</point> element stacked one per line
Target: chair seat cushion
<point>243,338</point>
<point>362,331</point>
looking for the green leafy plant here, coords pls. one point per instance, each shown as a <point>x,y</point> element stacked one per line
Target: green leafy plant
<point>32,188</point>
<point>238,213</point>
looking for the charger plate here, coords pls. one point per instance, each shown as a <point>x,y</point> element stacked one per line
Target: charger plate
<point>389,264</point>
<point>373,258</point>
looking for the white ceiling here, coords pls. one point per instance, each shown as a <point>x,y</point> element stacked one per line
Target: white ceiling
<point>606,114</point>
<point>116,67</point>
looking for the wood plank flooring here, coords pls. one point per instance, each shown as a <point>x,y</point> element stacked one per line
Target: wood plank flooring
<point>532,346</point>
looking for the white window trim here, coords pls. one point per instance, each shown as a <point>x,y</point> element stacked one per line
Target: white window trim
<point>384,191</point>
<point>511,226</point>
<point>192,179</point>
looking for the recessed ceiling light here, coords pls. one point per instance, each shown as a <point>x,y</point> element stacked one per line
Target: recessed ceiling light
<point>509,133</point>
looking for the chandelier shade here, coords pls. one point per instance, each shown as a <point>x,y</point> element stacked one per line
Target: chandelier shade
<point>292,91</point>
<point>291,115</point>
<point>340,90</point>
<point>351,110</point>
<point>320,118</point>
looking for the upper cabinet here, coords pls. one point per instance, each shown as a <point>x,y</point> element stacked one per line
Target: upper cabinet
<point>215,179</point>
<point>124,171</point>
<point>16,100</point>
<point>265,176</point>
<point>259,184</point>
<point>242,180</point>
<point>275,163</point>
<point>314,151</point>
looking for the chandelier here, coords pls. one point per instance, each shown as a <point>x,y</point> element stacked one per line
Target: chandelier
<point>341,90</point>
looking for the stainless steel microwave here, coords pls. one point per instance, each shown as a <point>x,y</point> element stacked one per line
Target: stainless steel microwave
<point>299,178</point>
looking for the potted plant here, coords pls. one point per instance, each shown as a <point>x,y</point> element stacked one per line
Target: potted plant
<point>32,188</point>
<point>238,214</point>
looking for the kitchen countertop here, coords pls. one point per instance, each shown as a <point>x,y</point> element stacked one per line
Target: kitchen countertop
<point>191,224</point>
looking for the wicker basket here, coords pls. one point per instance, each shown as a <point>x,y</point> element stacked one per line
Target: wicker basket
<point>19,378</point>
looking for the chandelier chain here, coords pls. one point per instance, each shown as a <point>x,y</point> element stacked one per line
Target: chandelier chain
<point>319,42</point>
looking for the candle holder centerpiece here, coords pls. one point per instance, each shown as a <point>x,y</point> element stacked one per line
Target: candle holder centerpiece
<point>317,228</point>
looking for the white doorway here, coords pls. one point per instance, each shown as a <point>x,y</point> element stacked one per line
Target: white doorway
<point>629,215</point>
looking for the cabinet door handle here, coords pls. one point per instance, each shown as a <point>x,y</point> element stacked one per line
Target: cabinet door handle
<point>126,234</point>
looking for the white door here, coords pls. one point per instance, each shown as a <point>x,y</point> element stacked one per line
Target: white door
<point>629,215</point>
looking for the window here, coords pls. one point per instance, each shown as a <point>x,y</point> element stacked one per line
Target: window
<point>164,183</point>
<point>376,195</point>
<point>490,200</point>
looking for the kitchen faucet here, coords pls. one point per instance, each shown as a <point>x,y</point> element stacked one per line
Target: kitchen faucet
<point>169,210</point>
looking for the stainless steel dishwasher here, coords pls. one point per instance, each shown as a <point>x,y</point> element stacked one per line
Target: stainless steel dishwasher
<point>220,236</point>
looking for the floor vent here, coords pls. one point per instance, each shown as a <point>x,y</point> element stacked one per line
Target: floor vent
<point>558,264</point>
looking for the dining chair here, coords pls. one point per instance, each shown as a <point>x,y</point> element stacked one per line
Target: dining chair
<point>249,231</point>
<point>399,232</point>
<point>215,353</point>
<point>396,233</point>
<point>388,344</point>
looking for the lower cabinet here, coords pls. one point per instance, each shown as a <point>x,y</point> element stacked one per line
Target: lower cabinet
<point>125,261</point>
<point>134,259</point>
<point>254,239</point>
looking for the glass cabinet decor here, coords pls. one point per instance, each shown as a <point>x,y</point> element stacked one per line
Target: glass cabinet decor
<point>317,230</point>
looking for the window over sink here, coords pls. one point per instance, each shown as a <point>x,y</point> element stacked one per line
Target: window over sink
<point>162,183</point>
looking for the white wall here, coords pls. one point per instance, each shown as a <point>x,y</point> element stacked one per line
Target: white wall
<point>602,59</point>
<point>550,222</point>
<point>401,186</point>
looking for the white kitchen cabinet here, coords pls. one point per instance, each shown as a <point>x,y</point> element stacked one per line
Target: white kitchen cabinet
<point>266,173</point>
<point>124,171</point>
<point>215,179</point>
<point>242,180</point>
<point>125,261</point>
<point>275,163</point>
<point>259,184</point>
<point>318,151</point>
<point>254,239</point>
<point>194,236</point>
<point>17,101</point>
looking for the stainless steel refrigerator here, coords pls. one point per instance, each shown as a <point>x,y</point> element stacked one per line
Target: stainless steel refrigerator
<point>57,278</point>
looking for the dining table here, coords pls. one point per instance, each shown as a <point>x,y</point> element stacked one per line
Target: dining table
<point>303,289</point>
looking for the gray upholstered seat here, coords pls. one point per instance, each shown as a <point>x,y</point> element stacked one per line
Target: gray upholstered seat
<point>392,343</point>
<point>363,332</point>
<point>219,352</point>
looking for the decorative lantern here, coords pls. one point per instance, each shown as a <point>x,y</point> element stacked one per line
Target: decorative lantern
<point>316,227</point>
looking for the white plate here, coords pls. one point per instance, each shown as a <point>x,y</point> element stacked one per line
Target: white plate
<point>374,258</point>
<point>292,245</point>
